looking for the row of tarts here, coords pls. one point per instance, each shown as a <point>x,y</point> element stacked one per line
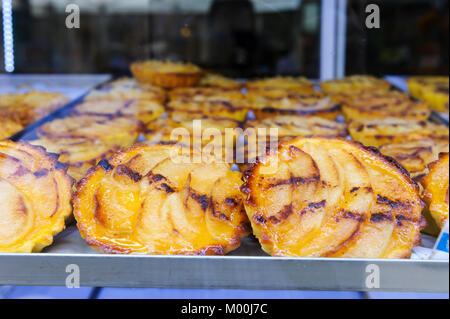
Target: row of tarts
<point>318,194</point>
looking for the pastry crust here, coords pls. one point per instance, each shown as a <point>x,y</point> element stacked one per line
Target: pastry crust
<point>332,197</point>
<point>371,105</point>
<point>435,192</point>
<point>35,194</point>
<point>393,130</point>
<point>143,201</point>
<point>166,74</point>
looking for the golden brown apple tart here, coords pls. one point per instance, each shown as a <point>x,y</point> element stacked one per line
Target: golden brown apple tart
<point>9,128</point>
<point>293,126</point>
<point>330,197</point>
<point>394,130</point>
<point>35,197</point>
<point>355,84</point>
<point>158,199</point>
<point>373,105</point>
<point>305,102</point>
<point>280,82</point>
<point>122,131</point>
<point>214,80</point>
<point>214,136</point>
<point>143,110</point>
<point>432,89</point>
<point>435,192</point>
<point>166,74</point>
<point>31,106</point>
<point>415,155</point>
<point>127,89</point>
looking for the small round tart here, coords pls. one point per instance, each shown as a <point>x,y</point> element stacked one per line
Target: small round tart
<point>9,127</point>
<point>35,197</point>
<point>166,74</point>
<point>214,106</point>
<point>415,155</point>
<point>42,103</point>
<point>213,136</point>
<point>435,192</point>
<point>219,81</point>
<point>303,103</point>
<point>31,106</point>
<point>204,94</point>
<point>143,110</point>
<point>394,130</point>
<point>153,199</point>
<point>79,154</point>
<point>280,82</point>
<point>323,197</point>
<point>372,105</point>
<point>293,126</point>
<point>122,131</point>
<point>432,89</point>
<point>355,84</point>
<point>127,89</point>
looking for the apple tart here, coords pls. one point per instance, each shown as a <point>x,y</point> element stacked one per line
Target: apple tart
<point>219,81</point>
<point>30,106</point>
<point>35,197</point>
<point>435,192</point>
<point>341,89</point>
<point>154,199</point>
<point>432,89</point>
<point>166,74</point>
<point>122,131</point>
<point>280,82</point>
<point>304,102</point>
<point>9,128</point>
<point>213,136</point>
<point>415,155</point>
<point>394,130</point>
<point>330,197</point>
<point>143,110</point>
<point>372,105</point>
<point>127,89</point>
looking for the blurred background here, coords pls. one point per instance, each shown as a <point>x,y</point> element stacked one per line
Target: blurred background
<point>242,38</point>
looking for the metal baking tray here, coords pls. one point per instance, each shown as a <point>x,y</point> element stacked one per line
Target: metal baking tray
<point>245,268</point>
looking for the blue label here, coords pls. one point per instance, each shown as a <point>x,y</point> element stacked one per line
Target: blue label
<point>443,243</point>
